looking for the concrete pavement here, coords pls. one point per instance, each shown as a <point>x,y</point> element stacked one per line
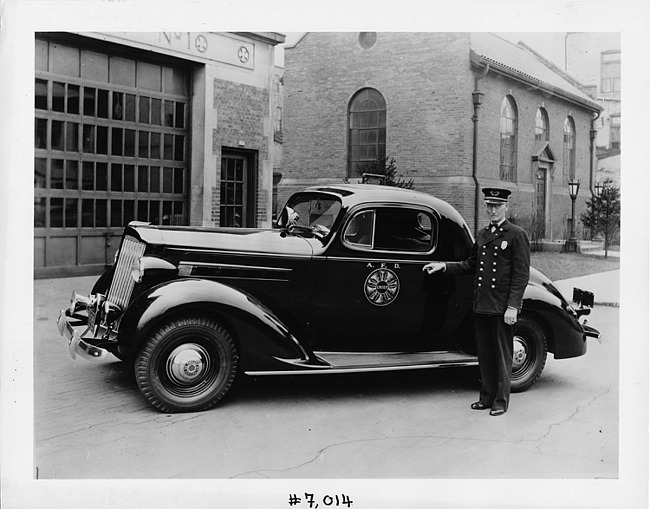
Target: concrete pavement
<point>605,286</point>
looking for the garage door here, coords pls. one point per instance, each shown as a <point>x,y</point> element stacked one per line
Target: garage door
<point>111,146</point>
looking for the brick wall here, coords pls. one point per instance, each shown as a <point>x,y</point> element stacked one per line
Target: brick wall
<point>241,114</point>
<point>427,82</point>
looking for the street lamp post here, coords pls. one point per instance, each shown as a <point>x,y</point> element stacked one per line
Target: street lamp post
<point>572,244</point>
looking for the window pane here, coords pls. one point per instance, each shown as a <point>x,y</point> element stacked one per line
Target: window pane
<point>40,171</point>
<point>102,177</point>
<point>40,133</point>
<point>71,212</point>
<point>88,176</point>
<point>155,179</point>
<point>88,139</point>
<point>178,180</point>
<point>143,179</point>
<point>72,137</point>
<point>87,214</point>
<point>129,143</point>
<point>56,212</point>
<point>168,152</point>
<point>129,211</point>
<point>89,101</point>
<point>169,114</point>
<point>102,103</point>
<point>116,177</point>
<point>167,212</point>
<point>39,212</point>
<point>116,213</point>
<point>155,145</point>
<point>180,115</point>
<point>73,99</point>
<point>56,176</point>
<point>179,148</point>
<point>168,180</point>
<point>143,210</point>
<point>41,94</point>
<point>143,144</point>
<point>154,214</point>
<point>102,140</point>
<point>155,111</point>
<point>118,106</point>
<point>116,147</point>
<point>100,213</point>
<point>129,178</point>
<point>57,135</point>
<point>129,108</point>
<point>144,110</point>
<point>72,174</point>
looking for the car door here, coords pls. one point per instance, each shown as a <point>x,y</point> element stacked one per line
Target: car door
<point>371,294</point>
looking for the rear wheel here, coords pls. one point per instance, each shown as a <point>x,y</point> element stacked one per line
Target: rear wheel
<point>187,365</point>
<point>529,354</point>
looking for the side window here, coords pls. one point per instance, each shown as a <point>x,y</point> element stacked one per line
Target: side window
<point>359,231</point>
<point>391,229</point>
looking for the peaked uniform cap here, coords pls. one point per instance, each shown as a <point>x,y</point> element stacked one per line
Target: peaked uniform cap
<point>495,195</point>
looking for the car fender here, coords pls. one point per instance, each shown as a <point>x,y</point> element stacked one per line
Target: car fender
<point>250,321</point>
<point>564,334</point>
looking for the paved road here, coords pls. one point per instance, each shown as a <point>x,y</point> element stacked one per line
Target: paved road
<point>91,421</point>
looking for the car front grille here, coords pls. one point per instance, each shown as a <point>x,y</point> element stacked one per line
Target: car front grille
<point>122,284</point>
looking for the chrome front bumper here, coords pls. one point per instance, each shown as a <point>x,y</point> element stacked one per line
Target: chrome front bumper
<point>74,328</point>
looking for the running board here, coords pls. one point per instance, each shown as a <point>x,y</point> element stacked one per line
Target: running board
<point>345,362</point>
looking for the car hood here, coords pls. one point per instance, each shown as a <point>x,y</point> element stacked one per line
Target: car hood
<point>234,240</point>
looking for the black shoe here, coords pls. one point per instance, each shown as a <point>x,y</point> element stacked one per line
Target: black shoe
<point>479,406</point>
<point>497,411</point>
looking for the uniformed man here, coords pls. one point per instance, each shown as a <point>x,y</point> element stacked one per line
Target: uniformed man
<point>500,260</point>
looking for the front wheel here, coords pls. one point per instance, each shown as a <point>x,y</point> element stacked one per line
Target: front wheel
<point>529,354</point>
<point>187,365</point>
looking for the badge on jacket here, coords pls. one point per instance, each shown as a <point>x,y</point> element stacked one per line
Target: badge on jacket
<point>504,244</point>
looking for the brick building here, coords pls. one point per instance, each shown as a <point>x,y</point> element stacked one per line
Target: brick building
<point>457,111</point>
<point>164,127</point>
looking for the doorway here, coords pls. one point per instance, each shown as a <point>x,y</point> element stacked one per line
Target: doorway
<point>540,203</point>
<point>237,206</point>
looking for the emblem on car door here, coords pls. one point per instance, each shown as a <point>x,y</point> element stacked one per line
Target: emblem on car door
<point>381,287</point>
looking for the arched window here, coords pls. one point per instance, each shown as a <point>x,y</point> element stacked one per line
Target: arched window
<point>541,125</point>
<point>367,131</point>
<point>508,151</point>
<point>569,156</point>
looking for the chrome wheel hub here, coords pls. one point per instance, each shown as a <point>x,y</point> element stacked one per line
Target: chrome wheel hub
<point>187,363</point>
<point>519,354</point>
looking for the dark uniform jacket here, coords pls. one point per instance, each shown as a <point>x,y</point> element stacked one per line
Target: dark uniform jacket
<point>501,261</point>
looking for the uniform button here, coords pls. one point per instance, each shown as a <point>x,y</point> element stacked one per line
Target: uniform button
<point>481,269</point>
<point>480,278</point>
<point>479,284</point>
<point>493,286</point>
<point>494,270</point>
<point>494,279</point>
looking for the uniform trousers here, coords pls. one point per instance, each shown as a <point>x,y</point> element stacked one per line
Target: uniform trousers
<point>494,341</point>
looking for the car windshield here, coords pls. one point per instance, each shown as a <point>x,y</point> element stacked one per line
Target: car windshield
<point>316,212</point>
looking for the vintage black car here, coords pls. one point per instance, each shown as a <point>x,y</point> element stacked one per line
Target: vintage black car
<point>336,287</point>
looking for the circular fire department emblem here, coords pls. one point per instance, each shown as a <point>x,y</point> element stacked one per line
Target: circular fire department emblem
<point>382,287</point>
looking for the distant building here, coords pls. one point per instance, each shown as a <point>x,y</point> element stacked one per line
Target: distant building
<point>595,59</point>
<point>165,127</point>
<point>457,111</point>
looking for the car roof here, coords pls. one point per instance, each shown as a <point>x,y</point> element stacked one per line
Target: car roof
<point>354,194</point>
